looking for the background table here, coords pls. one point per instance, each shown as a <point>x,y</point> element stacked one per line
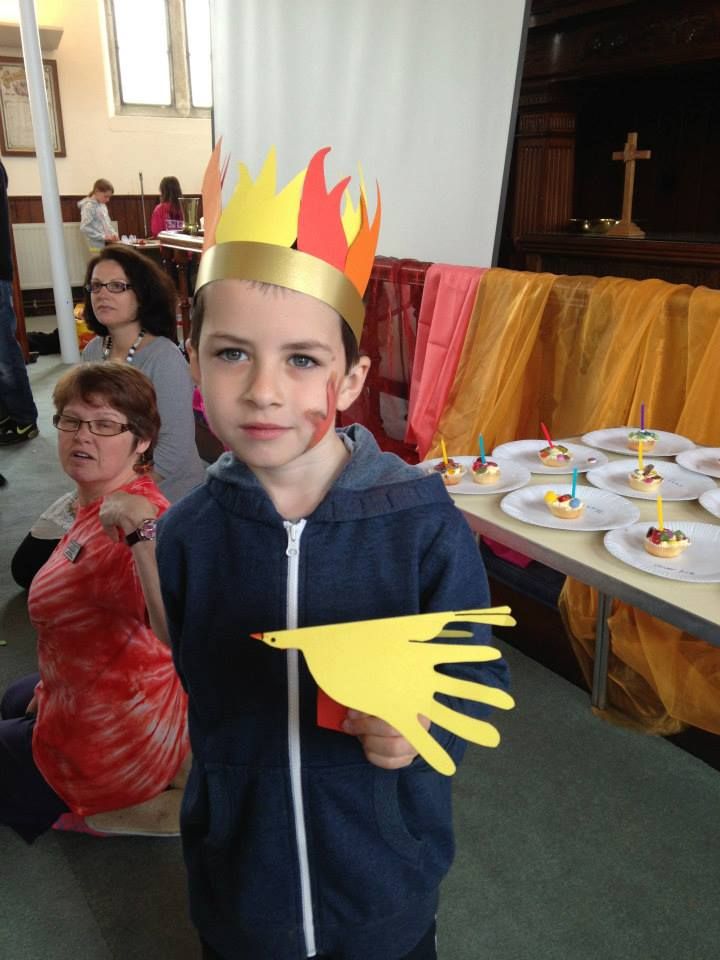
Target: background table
<point>181,250</point>
<point>693,607</point>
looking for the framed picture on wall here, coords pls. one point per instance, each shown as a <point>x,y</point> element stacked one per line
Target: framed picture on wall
<point>16,131</point>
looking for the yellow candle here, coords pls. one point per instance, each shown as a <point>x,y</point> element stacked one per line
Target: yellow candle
<point>660,516</point>
<point>640,459</point>
<point>444,451</point>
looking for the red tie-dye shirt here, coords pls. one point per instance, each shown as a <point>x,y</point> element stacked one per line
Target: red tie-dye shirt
<point>111,721</point>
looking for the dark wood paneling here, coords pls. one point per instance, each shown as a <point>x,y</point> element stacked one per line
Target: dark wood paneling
<point>675,261</point>
<point>127,209</point>
<point>677,116</point>
<point>630,37</point>
<point>651,66</point>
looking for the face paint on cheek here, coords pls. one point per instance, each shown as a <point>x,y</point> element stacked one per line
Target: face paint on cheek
<point>323,420</point>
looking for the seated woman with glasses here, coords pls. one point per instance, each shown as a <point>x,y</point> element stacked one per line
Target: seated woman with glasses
<point>130,306</point>
<point>102,727</point>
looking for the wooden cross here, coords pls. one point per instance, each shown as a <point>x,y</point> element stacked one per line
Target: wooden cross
<point>625,227</point>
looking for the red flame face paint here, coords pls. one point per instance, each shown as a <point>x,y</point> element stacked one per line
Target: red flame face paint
<point>323,420</point>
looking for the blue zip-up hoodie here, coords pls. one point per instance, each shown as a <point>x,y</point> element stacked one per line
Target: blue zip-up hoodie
<point>294,843</point>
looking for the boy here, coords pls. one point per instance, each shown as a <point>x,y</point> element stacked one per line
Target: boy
<point>302,841</point>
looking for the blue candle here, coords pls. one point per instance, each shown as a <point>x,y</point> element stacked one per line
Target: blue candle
<point>574,485</point>
<point>482,448</point>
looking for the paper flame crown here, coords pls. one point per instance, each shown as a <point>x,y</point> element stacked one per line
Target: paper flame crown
<point>296,238</point>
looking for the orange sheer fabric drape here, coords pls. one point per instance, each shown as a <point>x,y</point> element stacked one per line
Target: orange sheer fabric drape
<point>498,376</point>
<point>582,353</point>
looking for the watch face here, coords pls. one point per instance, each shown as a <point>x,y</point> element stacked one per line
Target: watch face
<point>148,529</point>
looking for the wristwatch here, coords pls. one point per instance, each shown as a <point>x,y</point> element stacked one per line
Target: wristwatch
<point>146,531</point>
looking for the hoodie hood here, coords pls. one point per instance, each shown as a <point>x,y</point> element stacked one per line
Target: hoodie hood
<point>371,483</point>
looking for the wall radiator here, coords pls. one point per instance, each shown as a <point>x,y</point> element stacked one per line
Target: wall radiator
<point>33,255</point>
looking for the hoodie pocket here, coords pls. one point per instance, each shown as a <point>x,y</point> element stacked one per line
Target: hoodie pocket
<point>391,822</point>
<point>366,861</point>
<point>236,832</point>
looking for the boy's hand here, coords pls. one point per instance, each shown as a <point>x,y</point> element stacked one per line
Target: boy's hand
<point>382,744</point>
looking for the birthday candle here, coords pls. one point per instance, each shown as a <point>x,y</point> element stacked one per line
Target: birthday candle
<point>444,451</point>
<point>482,448</point>
<point>547,434</point>
<point>660,516</point>
<point>640,459</point>
<point>642,416</point>
<point>574,482</point>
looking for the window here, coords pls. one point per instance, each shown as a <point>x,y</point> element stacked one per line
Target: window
<point>163,68</point>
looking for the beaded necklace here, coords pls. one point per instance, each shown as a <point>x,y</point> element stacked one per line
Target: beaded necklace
<point>107,347</point>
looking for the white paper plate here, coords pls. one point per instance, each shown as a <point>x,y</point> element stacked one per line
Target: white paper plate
<point>710,500</point>
<point>704,460</point>
<point>603,511</point>
<point>700,563</point>
<point>512,476</point>
<point>525,453</point>
<point>678,484</point>
<point>615,439</point>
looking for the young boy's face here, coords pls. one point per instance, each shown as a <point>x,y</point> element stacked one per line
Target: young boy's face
<point>271,367</point>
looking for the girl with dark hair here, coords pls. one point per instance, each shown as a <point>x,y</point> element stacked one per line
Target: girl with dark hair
<point>168,214</point>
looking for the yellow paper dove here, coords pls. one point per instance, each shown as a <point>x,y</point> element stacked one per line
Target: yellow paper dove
<point>386,668</point>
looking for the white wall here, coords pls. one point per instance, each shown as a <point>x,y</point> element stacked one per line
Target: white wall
<point>419,91</point>
<point>99,144</point>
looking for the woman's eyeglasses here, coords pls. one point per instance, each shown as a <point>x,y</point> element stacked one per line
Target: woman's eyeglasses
<point>102,428</point>
<point>114,286</point>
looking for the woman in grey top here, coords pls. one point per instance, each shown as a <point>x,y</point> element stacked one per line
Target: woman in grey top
<point>130,305</point>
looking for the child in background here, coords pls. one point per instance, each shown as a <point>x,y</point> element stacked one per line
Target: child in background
<point>95,221</point>
<point>302,841</point>
<point>168,214</point>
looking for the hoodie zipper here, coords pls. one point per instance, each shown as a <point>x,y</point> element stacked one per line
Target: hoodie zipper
<point>294,532</point>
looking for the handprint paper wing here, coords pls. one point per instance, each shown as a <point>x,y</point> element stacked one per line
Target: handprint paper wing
<point>386,668</point>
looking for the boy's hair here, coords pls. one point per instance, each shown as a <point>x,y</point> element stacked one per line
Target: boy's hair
<point>155,292</point>
<point>350,345</point>
<point>120,386</point>
<point>103,186</point>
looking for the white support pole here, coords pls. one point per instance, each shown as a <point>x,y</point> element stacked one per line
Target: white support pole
<point>37,94</point>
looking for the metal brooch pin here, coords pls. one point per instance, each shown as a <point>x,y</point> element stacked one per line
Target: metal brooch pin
<point>72,550</point>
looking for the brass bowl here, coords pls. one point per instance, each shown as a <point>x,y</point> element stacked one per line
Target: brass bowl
<point>579,226</point>
<point>602,225</point>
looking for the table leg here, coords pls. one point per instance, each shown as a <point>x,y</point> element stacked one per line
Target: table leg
<point>182,262</point>
<point>602,651</point>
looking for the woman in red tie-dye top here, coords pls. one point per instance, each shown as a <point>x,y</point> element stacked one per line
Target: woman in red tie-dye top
<point>105,726</point>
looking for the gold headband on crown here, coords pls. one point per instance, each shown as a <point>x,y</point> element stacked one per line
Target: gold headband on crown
<point>284,267</point>
<point>297,238</point>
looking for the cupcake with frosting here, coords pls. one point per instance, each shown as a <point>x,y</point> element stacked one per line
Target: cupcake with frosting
<point>647,438</point>
<point>451,471</point>
<point>646,479</point>
<point>485,473</point>
<point>665,543</point>
<point>555,455</point>
<point>565,506</point>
